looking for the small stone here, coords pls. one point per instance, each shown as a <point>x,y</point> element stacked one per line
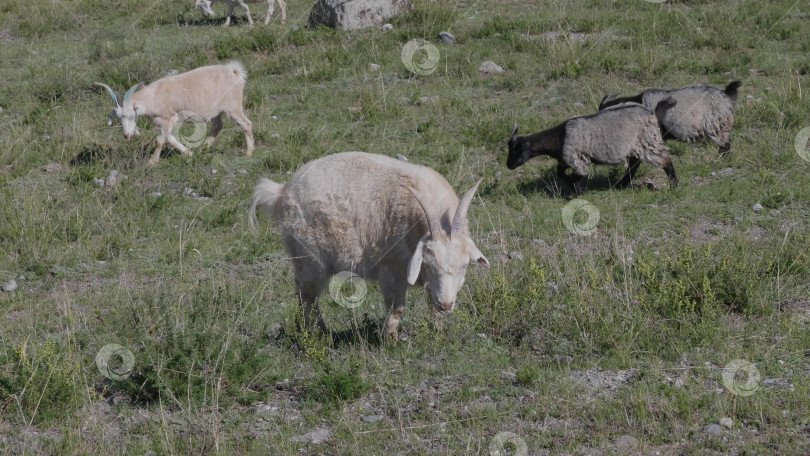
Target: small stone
<point>213,171</point>
<point>498,174</point>
<point>354,108</point>
<point>726,422</point>
<point>98,182</point>
<point>402,157</point>
<point>373,67</point>
<point>447,37</point>
<point>387,27</point>
<point>713,429</point>
<point>10,286</point>
<point>428,100</point>
<point>275,135</point>
<point>294,28</point>
<point>516,255</point>
<point>242,171</point>
<point>372,418</point>
<point>155,195</point>
<point>539,242</point>
<point>274,117</point>
<point>489,67</point>
<point>626,442</point>
<point>578,104</point>
<point>112,179</point>
<point>316,436</point>
<point>757,207</point>
<point>172,72</point>
<point>34,53</point>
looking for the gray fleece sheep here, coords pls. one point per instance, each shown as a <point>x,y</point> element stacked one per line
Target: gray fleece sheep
<point>701,111</point>
<point>626,133</point>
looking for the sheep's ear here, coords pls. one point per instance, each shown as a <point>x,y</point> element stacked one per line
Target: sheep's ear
<point>477,256</point>
<point>415,265</point>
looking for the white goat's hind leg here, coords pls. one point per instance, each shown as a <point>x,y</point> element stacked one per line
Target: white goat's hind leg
<point>247,126</point>
<point>216,126</point>
<point>270,4</point>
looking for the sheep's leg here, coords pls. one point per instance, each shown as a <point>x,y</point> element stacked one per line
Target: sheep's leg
<point>307,294</point>
<point>394,293</point>
<point>216,126</point>
<point>247,126</point>
<point>228,15</point>
<point>573,179</point>
<point>670,170</point>
<point>630,174</point>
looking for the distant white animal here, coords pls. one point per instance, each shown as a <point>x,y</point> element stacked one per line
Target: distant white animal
<point>700,111</point>
<point>383,219</point>
<point>205,7</point>
<point>201,95</point>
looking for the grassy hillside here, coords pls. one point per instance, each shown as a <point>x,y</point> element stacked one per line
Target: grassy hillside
<point>611,341</point>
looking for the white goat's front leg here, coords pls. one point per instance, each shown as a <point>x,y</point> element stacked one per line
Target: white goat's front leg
<point>244,6</point>
<point>394,292</point>
<point>161,140</point>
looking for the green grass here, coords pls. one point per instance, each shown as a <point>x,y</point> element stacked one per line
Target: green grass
<point>671,287</point>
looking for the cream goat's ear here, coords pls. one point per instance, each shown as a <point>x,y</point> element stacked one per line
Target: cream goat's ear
<point>415,265</point>
<point>478,257</point>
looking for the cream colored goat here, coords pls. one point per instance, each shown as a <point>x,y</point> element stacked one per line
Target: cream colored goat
<point>205,7</point>
<point>383,219</point>
<point>200,95</point>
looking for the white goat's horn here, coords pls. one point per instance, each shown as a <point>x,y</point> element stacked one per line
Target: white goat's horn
<point>460,218</point>
<point>434,226</point>
<point>130,92</point>
<point>112,94</point>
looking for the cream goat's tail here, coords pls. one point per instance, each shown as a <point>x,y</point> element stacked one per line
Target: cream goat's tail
<point>265,196</point>
<point>237,68</point>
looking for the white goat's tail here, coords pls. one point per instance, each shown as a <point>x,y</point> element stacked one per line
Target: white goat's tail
<point>265,196</point>
<point>237,68</point>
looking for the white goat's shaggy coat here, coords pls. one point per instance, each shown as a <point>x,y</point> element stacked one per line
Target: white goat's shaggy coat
<point>203,94</point>
<point>383,219</point>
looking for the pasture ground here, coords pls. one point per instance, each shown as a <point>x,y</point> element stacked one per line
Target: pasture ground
<point>610,343</point>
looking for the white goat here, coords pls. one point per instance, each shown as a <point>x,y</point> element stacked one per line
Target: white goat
<point>377,217</point>
<point>205,7</point>
<point>202,95</point>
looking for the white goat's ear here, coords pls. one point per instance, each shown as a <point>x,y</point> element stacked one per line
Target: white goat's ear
<point>415,265</point>
<point>478,257</point>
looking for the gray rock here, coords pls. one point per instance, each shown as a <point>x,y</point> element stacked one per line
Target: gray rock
<point>355,14</point>
<point>402,157</point>
<point>447,37</point>
<point>539,242</point>
<point>626,442</point>
<point>428,100</point>
<point>387,27</point>
<point>516,255</point>
<point>172,72</point>
<point>498,174</point>
<point>373,67</point>
<point>713,429</point>
<point>317,435</point>
<point>489,67</point>
<point>372,418</point>
<point>10,286</point>
<point>155,195</point>
<point>726,422</point>
<point>757,207</point>
<point>578,104</point>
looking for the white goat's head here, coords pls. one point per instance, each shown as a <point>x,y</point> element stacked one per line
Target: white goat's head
<point>445,255</point>
<point>205,7</point>
<point>126,112</point>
